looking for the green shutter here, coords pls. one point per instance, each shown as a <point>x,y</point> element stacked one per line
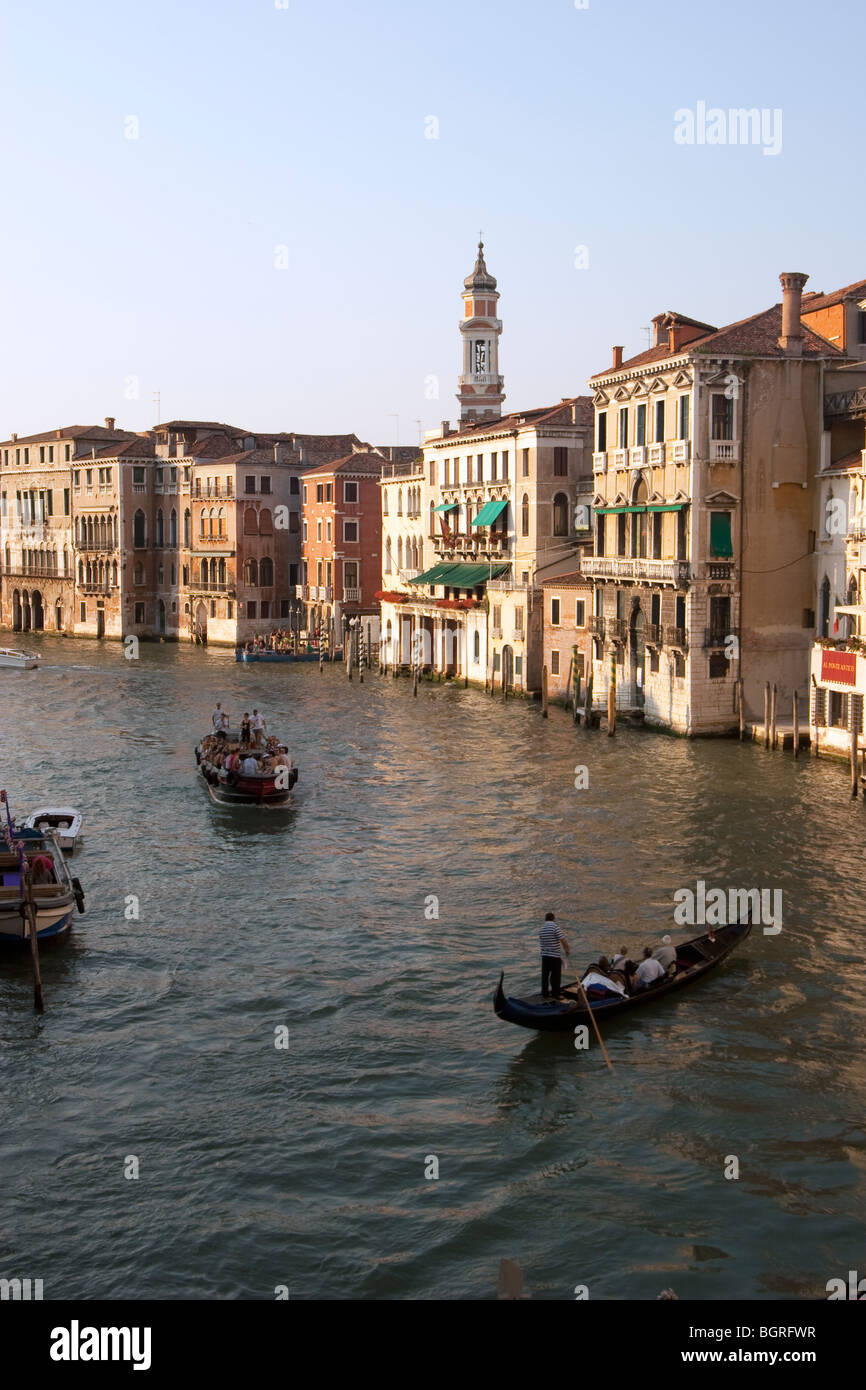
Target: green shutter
<point>721,546</point>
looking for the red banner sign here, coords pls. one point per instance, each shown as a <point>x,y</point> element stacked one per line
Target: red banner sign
<point>838,668</point>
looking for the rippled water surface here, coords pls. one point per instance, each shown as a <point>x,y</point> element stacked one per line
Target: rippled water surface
<point>261,1167</point>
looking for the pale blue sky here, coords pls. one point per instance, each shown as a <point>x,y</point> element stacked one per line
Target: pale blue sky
<point>259,127</point>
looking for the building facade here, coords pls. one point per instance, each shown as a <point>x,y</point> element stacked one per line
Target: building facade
<point>566,636</point>
<point>341,546</point>
<point>707,450</point>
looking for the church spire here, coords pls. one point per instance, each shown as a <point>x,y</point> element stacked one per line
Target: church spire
<point>480,387</point>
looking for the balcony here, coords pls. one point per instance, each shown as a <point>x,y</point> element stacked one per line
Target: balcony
<point>599,462</point>
<point>496,634</point>
<point>517,634</point>
<point>596,625</point>
<point>94,588</point>
<point>653,635</point>
<point>300,591</point>
<point>681,451</point>
<point>211,586</point>
<point>617,629</point>
<point>655,454</point>
<point>92,548</point>
<point>724,451</point>
<point>654,571</point>
<point>619,458</point>
<point>715,637</point>
<point>719,569</point>
<point>676,637</point>
<point>354,595</point>
<point>637,456</point>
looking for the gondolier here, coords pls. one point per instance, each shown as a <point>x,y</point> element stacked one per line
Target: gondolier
<point>553,944</point>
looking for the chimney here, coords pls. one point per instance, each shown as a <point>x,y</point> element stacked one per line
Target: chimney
<point>58,434</point>
<point>617,357</point>
<point>791,341</point>
<point>658,330</point>
<point>675,330</point>
<point>109,422</point>
<point>13,437</point>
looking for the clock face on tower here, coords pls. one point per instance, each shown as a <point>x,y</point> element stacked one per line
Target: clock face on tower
<point>480,364</point>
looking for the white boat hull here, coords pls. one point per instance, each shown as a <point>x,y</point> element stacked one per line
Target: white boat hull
<point>20,661</point>
<point>65,821</point>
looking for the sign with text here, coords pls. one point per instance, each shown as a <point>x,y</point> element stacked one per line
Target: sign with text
<point>838,668</point>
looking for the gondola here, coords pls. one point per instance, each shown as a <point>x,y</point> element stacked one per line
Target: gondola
<point>695,959</point>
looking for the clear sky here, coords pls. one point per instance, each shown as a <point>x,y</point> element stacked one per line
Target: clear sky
<point>152,264</point>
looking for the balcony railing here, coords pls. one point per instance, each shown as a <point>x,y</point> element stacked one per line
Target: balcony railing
<point>301,591</point>
<point>613,567</point>
<point>680,451</point>
<point>354,595</point>
<point>496,633</point>
<point>724,450</point>
<point>716,636</point>
<point>719,569</point>
<point>86,547</point>
<point>212,586</point>
<point>95,588</point>
<point>34,571</point>
<point>617,629</point>
<point>654,635</point>
<point>676,637</point>
<point>599,462</point>
<point>596,625</point>
<point>619,458</point>
<point>637,456</point>
<point>655,454</point>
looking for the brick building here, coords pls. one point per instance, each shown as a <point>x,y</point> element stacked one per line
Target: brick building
<point>342,544</point>
<point>567,608</point>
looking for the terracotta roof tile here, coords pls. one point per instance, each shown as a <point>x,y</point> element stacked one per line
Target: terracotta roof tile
<point>817,300</point>
<point>95,432</point>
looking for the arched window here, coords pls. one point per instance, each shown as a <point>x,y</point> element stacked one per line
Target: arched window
<point>139,529</point>
<point>222,521</point>
<point>266,525</point>
<point>221,571</point>
<point>388,555</point>
<point>187,527</point>
<point>103,532</point>
<point>432,520</point>
<point>138,573</point>
<point>90,533</point>
<point>203,571</point>
<point>399,501</point>
<point>114,574</point>
<point>251,525</point>
<point>560,514</point>
<point>251,577</point>
<point>266,572</point>
<point>212,522</point>
<point>384,501</point>
<point>77,541</point>
<point>172,528</point>
<point>213,570</point>
<point>81,571</point>
<point>115,532</point>
<point>476,648</point>
<point>524,515</point>
<point>160,529</point>
<point>639,522</point>
<point>399,552</point>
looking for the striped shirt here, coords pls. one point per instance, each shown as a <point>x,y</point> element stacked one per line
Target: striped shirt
<point>550,937</point>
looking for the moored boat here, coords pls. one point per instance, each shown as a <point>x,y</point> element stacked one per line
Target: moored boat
<point>63,820</point>
<point>270,784</point>
<point>267,656</point>
<point>21,661</point>
<point>55,893</point>
<point>695,959</point>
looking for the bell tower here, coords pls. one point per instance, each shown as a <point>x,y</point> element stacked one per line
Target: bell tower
<point>481,388</point>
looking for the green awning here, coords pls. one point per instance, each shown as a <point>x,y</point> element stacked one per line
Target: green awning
<point>617,511</point>
<point>490,511</point>
<point>434,575</point>
<point>447,507</point>
<point>665,506</point>
<point>455,575</point>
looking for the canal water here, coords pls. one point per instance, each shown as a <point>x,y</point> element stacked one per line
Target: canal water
<point>310,1166</point>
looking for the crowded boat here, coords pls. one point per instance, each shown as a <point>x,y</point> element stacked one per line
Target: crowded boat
<point>247,766</point>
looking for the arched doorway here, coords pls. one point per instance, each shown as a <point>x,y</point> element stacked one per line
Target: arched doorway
<point>507,668</point>
<point>16,610</point>
<point>26,616</point>
<point>637,633</point>
<point>200,622</point>
<point>38,614</point>
<point>58,616</point>
<point>824,610</point>
<point>160,617</point>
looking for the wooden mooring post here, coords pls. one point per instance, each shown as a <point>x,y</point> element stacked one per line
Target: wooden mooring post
<point>587,702</point>
<point>796,715</point>
<point>611,698</point>
<point>544,692</point>
<point>29,911</point>
<point>767,715</point>
<point>854,769</point>
<point>773,716</point>
<point>741,709</point>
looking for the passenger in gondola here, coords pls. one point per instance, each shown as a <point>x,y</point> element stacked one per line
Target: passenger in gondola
<point>665,954</point>
<point>649,971</point>
<point>245,731</point>
<point>249,766</point>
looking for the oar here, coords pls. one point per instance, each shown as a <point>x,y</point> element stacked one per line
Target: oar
<point>594,1024</point>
